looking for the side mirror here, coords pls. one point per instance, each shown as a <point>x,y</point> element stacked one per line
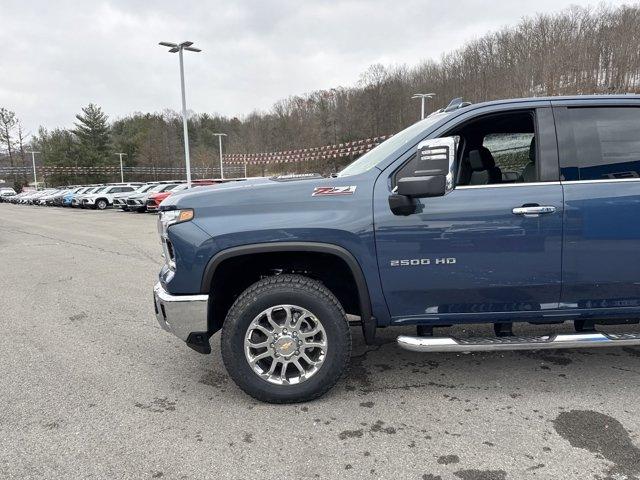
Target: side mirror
<point>434,175</point>
<point>434,172</point>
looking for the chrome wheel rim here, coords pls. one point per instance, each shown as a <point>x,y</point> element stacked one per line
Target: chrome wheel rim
<point>285,345</point>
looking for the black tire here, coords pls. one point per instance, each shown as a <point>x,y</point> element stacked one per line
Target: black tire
<point>279,290</point>
<point>101,204</point>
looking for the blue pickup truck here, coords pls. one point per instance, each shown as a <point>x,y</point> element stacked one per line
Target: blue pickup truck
<point>523,210</point>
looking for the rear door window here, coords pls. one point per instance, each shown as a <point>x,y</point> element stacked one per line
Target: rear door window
<point>599,143</point>
<point>511,152</point>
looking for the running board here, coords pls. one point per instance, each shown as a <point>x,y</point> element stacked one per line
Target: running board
<point>491,344</point>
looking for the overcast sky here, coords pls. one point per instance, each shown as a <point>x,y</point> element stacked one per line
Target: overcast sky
<point>58,56</point>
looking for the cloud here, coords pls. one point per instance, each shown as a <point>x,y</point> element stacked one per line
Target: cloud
<point>59,56</point>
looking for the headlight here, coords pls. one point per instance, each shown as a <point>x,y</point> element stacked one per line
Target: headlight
<point>171,217</point>
<point>165,220</point>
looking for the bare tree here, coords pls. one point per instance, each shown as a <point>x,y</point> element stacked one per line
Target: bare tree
<point>8,122</point>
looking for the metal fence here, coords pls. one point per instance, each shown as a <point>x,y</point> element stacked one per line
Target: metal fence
<point>322,159</point>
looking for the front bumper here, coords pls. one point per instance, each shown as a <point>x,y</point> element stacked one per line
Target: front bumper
<point>183,315</point>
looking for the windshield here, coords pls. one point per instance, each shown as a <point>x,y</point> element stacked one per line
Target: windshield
<point>99,190</point>
<point>158,188</point>
<point>145,188</point>
<point>373,157</point>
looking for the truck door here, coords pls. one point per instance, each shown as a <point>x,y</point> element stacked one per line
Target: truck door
<point>485,250</point>
<point>599,149</point>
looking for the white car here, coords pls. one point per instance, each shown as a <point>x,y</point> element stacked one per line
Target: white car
<point>102,198</point>
<point>77,199</point>
<point>7,192</point>
<point>46,199</point>
<point>34,198</point>
<point>120,199</point>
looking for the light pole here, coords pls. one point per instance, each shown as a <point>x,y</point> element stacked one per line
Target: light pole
<point>120,154</point>
<point>33,161</point>
<point>220,135</point>
<point>173,48</point>
<point>423,96</point>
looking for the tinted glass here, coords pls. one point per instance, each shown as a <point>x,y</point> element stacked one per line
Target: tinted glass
<point>599,143</point>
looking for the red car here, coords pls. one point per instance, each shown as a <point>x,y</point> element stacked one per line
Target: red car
<point>153,202</point>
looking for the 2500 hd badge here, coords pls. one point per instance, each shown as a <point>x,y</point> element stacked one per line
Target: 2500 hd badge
<point>414,262</point>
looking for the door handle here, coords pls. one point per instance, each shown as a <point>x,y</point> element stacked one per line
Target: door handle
<point>534,210</point>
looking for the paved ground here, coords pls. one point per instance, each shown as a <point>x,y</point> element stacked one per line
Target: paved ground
<point>91,387</point>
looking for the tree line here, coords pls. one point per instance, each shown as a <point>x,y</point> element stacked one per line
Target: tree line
<point>576,51</point>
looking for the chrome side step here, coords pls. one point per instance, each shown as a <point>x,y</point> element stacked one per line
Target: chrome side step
<point>490,344</point>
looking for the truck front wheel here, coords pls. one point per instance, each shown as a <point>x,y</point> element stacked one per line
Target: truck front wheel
<point>286,339</point>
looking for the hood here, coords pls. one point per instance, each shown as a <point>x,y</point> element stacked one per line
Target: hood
<point>261,192</point>
<point>136,195</point>
<point>161,194</point>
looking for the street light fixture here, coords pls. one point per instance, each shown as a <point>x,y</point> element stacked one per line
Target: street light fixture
<point>220,135</point>
<point>423,96</point>
<point>33,160</point>
<point>120,154</point>
<point>178,48</point>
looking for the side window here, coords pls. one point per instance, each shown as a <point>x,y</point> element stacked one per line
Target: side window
<point>599,143</point>
<point>493,149</point>
<point>512,154</point>
<point>498,148</point>
<point>126,189</point>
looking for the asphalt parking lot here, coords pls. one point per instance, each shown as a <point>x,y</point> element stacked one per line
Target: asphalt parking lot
<point>91,387</point>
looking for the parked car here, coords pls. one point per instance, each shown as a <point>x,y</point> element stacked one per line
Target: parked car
<point>103,197</point>
<point>24,197</point>
<point>58,198</point>
<point>550,186</point>
<point>6,192</point>
<point>48,198</point>
<point>13,198</point>
<point>67,199</point>
<point>138,201</point>
<point>77,199</point>
<point>120,199</point>
<point>154,200</point>
<point>34,198</point>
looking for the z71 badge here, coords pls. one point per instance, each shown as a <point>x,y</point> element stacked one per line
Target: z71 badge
<point>330,191</point>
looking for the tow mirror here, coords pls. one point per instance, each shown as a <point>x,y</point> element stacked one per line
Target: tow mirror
<point>433,176</point>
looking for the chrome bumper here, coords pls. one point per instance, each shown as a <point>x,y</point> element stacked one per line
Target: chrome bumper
<point>180,314</point>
